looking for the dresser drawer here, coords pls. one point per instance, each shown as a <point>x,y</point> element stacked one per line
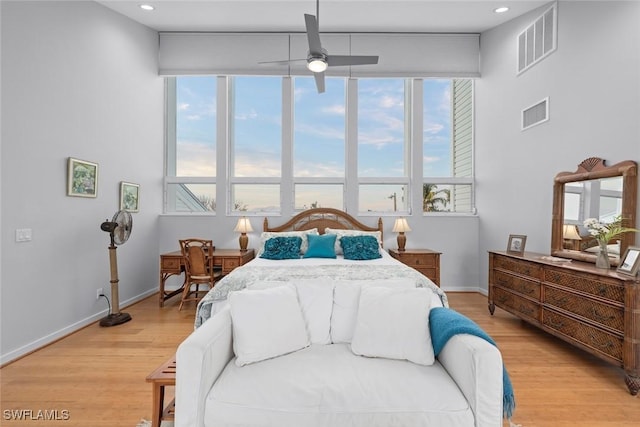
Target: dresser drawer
<point>517,283</point>
<point>525,268</point>
<point>594,285</point>
<point>522,306</point>
<point>594,338</point>
<point>604,314</point>
<point>419,260</point>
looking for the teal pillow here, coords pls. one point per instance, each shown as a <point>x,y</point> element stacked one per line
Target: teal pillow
<point>282,248</point>
<point>321,246</point>
<point>360,247</point>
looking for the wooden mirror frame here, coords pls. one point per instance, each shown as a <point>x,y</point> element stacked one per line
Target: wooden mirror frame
<point>594,168</point>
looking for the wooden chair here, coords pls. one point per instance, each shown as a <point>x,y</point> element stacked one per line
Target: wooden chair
<point>199,269</point>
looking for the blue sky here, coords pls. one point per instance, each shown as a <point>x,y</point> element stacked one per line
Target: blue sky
<point>319,127</point>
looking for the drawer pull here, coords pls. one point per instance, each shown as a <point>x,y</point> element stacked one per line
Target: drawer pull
<point>602,290</point>
<point>606,346</point>
<point>561,301</point>
<point>503,281</point>
<point>502,299</point>
<point>600,317</point>
<point>527,271</point>
<point>525,290</point>
<point>525,309</point>
<point>557,325</point>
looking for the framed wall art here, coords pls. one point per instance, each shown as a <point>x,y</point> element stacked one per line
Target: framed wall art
<point>82,178</point>
<point>516,244</point>
<point>129,196</point>
<point>630,261</point>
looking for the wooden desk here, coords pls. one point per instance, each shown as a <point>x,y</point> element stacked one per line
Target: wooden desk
<point>172,264</point>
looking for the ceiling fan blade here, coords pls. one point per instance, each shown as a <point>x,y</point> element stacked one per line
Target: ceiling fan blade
<point>337,60</point>
<point>319,77</point>
<point>313,34</point>
<point>283,62</point>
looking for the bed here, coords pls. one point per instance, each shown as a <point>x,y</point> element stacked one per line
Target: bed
<point>347,266</point>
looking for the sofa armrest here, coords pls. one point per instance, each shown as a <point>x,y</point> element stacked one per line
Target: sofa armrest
<point>476,366</point>
<point>199,361</point>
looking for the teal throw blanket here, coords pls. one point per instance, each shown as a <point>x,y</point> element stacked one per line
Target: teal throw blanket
<point>445,323</point>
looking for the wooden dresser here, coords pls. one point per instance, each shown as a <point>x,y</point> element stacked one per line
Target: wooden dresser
<point>595,310</point>
<point>425,261</point>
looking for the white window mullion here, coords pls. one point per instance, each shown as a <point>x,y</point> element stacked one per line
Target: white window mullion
<point>286,188</point>
<point>351,147</point>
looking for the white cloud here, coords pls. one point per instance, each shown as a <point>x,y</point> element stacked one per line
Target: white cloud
<point>183,106</point>
<point>430,159</point>
<point>338,109</point>
<point>251,114</point>
<point>195,159</point>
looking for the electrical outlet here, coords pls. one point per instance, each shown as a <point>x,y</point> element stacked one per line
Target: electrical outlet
<point>99,293</point>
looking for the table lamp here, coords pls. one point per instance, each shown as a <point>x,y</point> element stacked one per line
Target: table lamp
<point>570,235</point>
<point>400,227</point>
<point>243,227</point>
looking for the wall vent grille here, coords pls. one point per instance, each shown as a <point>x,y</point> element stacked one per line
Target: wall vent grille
<point>538,40</point>
<point>536,114</point>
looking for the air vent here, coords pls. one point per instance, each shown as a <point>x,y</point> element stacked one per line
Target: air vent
<point>536,114</point>
<point>538,40</point>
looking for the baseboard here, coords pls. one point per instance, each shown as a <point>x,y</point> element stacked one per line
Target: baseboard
<point>465,289</point>
<point>18,353</point>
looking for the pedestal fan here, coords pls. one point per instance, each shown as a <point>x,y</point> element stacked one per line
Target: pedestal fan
<point>119,229</point>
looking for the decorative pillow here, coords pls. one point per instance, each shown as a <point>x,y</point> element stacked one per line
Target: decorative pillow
<point>316,302</point>
<point>394,324</point>
<point>341,233</point>
<point>282,248</point>
<point>321,246</point>
<point>266,323</point>
<point>360,247</point>
<point>346,296</point>
<point>266,235</point>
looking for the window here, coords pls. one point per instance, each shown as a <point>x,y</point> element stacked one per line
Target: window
<point>447,146</point>
<point>319,133</point>
<point>371,146</point>
<point>255,134</point>
<point>383,145</point>
<point>191,145</point>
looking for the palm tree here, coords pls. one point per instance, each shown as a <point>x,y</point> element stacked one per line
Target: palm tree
<point>434,200</point>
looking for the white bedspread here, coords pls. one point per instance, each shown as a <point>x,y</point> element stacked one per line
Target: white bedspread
<point>337,269</point>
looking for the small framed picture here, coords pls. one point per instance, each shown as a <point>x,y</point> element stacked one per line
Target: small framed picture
<point>129,196</point>
<point>82,178</point>
<point>630,262</point>
<point>516,244</point>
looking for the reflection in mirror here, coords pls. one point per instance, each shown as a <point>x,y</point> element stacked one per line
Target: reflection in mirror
<point>595,198</point>
<point>593,191</point>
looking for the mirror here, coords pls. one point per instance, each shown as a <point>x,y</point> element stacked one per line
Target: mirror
<point>594,190</point>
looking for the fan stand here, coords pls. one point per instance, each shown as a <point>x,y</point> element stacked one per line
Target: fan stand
<point>116,317</point>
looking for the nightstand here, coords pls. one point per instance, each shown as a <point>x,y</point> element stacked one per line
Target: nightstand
<point>425,261</point>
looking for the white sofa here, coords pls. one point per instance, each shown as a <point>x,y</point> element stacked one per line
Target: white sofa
<point>324,383</point>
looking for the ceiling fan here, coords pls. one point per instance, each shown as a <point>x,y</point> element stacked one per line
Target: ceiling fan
<point>318,59</point>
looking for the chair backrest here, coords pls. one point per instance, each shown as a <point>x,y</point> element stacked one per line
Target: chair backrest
<point>195,251</point>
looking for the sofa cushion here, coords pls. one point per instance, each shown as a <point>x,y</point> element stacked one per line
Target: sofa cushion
<point>266,323</point>
<point>394,323</point>
<point>341,389</point>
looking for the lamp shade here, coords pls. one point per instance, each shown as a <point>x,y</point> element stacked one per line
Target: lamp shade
<point>401,225</point>
<point>243,225</point>
<point>570,232</point>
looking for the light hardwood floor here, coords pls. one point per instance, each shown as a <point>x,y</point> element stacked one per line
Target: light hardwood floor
<point>98,374</point>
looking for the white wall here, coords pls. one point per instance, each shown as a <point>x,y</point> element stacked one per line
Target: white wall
<point>593,81</point>
<point>78,80</point>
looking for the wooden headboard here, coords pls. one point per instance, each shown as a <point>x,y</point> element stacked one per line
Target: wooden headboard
<point>322,218</point>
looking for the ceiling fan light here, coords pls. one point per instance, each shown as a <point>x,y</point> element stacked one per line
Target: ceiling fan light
<point>317,65</point>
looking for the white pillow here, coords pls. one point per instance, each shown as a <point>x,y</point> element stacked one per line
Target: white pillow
<point>340,232</point>
<point>266,235</point>
<point>394,324</point>
<point>346,295</point>
<point>266,323</point>
<point>316,302</point>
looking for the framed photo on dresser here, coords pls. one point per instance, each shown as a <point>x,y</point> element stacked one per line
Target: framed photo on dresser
<point>630,262</point>
<point>516,244</point>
